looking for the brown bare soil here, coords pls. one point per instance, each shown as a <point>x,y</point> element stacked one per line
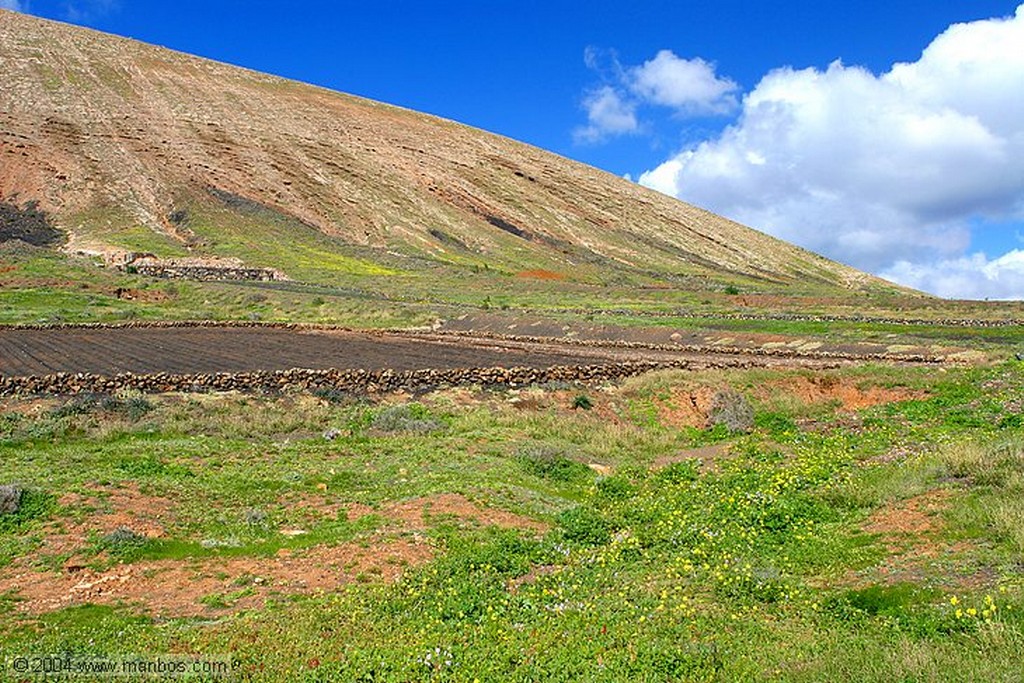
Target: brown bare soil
<point>911,530</point>
<point>541,274</point>
<point>529,577</point>
<point>913,517</point>
<point>686,408</point>
<point>111,507</point>
<point>418,513</point>
<point>666,336</point>
<point>828,389</point>
<point>194,349</point>
<point>708,456</point>
<point>148,295</point>
<point>210,585</point>
<point>225,349</point>
<point>177,588</point>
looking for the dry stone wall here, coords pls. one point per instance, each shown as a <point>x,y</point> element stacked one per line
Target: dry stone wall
<point>203,273</point>
<point>354,381</point>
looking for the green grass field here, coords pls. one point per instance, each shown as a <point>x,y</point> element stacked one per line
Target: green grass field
<point>867,527</point>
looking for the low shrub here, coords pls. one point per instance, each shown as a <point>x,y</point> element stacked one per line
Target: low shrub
<point>30,504</point>
<point>406,417</point>
<point>582,402</point>
<point>584,525</point>
<point>731,409</point>
<point>551,462</point>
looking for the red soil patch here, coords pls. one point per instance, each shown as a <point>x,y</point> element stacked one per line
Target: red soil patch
<point>419,513</point>
<point>177,588</point>
<point>604,408</point>
<point>317,507</point>
<point>110,509</point>
<point>686,408</point>
<point>916,516</point>
<point>909,529</point>
<point>540,274</point>
<point>825,389</point>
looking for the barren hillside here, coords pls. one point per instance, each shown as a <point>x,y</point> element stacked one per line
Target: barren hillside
<point>135,147</point>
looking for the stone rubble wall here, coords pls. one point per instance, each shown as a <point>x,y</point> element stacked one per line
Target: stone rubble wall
<point>354,381</point>
<point>202,273</point>
<point>358,381</point>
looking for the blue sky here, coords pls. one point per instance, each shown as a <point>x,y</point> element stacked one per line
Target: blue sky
<point>788,116</point>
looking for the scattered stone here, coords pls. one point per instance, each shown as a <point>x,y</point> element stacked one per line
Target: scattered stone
<point>255,517</point>
<point>10,499</point>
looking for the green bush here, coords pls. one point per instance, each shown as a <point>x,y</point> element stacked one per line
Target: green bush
<point>123,543</point>
<point>551,462</point>
<point>582,402</point>
<point>615,488</point>
<point>776,424</point>
<point>150,466</point>
<point>680,472</point>
<point>584,525</point>
<point>31,505</point>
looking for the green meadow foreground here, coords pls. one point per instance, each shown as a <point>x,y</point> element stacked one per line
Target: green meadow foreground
<point>868,526</point>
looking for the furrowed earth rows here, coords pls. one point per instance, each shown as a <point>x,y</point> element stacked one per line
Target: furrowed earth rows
<point>22,357</point>
<point>206,349</point>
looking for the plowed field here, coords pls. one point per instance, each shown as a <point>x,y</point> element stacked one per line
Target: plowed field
<point>184,350</point>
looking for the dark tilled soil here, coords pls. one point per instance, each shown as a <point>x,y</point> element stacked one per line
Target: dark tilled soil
<point>205,350</point>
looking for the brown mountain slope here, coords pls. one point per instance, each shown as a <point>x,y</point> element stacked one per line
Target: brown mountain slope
<point>135,147</point>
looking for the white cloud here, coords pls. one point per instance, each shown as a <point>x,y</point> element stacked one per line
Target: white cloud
<point>874,170</point>
<point>968,277</point>
<point>607,114</point>
<point>11,5</point>
<point>688,85</point>
<point>84,11</point>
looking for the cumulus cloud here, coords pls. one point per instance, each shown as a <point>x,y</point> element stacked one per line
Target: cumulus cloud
<point>11,4</point>
<point>880,171</point>
<point>968,277</point>
<point>607,114</point>
<point>689,87</point>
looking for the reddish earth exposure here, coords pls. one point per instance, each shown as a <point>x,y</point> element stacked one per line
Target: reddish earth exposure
<point>206,585</point>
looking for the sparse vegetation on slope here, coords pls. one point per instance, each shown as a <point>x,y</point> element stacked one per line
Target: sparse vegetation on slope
<point>333,189</point>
